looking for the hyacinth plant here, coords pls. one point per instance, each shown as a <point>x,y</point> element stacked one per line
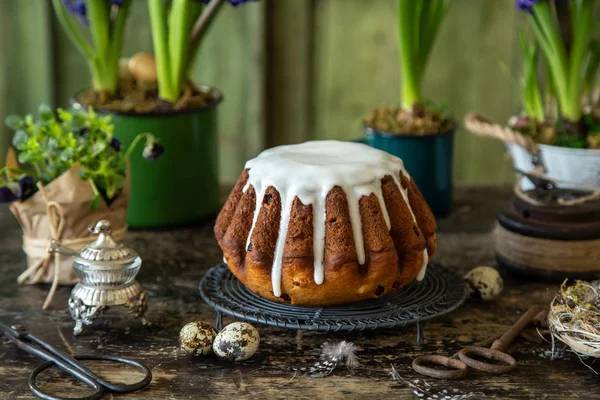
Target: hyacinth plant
<point>178,27</point>
<point>572,58</point>
<point>106,22</point>
<point>418,26</point>
<point>55,142</point>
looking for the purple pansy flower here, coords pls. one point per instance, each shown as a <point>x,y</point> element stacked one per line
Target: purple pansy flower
<point>152,151</point>
<point>26,186</point>
<point>10,192</point>
<point>115,144</point>
<point>21,190</point>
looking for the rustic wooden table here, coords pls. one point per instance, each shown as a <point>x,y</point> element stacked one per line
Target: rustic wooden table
<point>175,261</point>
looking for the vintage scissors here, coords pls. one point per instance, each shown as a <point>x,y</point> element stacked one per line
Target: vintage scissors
<point>33,345</point>
<point>459,363</point>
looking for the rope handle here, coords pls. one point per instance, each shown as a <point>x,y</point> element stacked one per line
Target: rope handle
<point>482,126</point>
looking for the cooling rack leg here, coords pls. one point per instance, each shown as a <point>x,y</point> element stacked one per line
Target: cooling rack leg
<point>219,322</point>
<point>420,337</point>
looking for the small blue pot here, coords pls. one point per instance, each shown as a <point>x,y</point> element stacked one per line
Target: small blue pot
<point>429,159</point>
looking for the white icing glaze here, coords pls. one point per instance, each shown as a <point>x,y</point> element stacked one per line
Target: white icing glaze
<point>423,269</point>
<point>309,171</point>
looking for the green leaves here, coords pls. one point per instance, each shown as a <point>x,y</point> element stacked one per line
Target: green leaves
<point>45,113</point>
<point>97,196</point>
<point>14,122</point>
<point>570,140</point>
<point>418,26</point>
<point>20,139</point>
<point>67,155</point>
<point>567,67</point>
<point>531,96</point>
<point>55,142</point>
<point>106,31</point>
<point>592,63</point>
<point>177,29</point>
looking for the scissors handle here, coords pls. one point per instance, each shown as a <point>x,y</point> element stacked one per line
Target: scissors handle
<point>459,368</point>
<point>98,389</point>
<point>92,380</point>
<point>467,356</point>
<point>120,387</point>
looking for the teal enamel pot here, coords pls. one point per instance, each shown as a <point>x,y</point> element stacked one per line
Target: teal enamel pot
<point>181,187</point>
<point>429,159</point>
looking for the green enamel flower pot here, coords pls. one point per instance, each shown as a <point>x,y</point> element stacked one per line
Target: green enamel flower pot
<point>428,158</point>
<point>181,187</point>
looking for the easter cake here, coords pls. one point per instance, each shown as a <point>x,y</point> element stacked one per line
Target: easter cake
<point>325,222</point>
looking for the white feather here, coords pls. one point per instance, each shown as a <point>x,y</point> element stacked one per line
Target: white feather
<point>342,351</point>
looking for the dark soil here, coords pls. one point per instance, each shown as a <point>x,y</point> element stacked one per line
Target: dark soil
<point>419,121</point>
<point>584,133</point>
<point>134,97</point>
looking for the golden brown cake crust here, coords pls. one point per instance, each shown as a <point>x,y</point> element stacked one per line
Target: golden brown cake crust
<point>393,257</point>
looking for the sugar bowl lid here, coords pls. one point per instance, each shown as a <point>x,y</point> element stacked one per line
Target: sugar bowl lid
<point>105,248</point>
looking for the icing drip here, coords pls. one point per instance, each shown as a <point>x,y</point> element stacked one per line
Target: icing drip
<point>359,244</point>
<point>286,208</point>
<point>259,190</point>
<point>319,237</point>
<point>423,269</point>
<point>309,171</point>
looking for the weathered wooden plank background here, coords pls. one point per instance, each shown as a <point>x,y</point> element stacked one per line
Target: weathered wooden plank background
<point>293,70</point>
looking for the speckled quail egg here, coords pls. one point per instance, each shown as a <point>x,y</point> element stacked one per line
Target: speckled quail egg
<point>196,338</point>
<point>484,283</point>
<point>236,342</point>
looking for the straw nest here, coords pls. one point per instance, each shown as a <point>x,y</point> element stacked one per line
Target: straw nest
<point>574,317</point>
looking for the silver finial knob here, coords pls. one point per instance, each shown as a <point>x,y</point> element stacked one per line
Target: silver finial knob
<point>103,226</point>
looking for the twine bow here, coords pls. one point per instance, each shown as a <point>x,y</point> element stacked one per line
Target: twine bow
<point>56,220</point>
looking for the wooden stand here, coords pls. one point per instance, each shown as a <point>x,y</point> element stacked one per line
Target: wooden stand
<point>550,242</point>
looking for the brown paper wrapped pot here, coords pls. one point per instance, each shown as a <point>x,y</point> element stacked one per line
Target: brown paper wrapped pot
<point>74,196</point>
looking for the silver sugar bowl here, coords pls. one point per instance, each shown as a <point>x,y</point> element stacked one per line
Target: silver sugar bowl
<point>106,270</point>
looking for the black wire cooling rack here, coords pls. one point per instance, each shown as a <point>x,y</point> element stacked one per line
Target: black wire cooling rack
<point>440,292</point>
